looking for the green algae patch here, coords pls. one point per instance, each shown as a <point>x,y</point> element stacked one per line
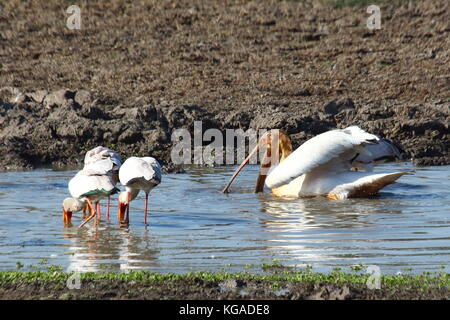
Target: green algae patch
<point>424,280</point>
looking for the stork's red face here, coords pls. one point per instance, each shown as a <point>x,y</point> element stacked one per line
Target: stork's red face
<point>121,211</point>
<point>67,217</point>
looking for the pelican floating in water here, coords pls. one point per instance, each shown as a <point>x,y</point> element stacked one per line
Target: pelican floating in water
<point>137,174</point>
<point>85,187</point>
<point>104,161</point>
<point>327,164</point>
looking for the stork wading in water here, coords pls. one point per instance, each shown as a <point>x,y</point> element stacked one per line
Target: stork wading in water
<point>329,164</point>
<point>86,187</point>
<point>137,174</point>
<point>104,161</point>
<point>70,206</point>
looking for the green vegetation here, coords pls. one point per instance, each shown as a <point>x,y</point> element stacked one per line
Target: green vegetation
<point>276,264</point>
<point>357,268</point>
<point>438,280</point>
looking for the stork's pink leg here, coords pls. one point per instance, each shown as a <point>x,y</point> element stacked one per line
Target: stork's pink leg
<point>85,207</point>
<point>127,219</point>
<point>91,216</point>
<point>107,209</point>
<point>97,207</point>
<point>145,210</point>
<point>98,216</point>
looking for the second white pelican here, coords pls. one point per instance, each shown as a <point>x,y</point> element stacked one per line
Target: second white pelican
<point>323,165</point>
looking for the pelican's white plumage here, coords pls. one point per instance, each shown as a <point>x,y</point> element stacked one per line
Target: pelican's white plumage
<point>338,146</point>
<point>323,166</point>
<point>379,152</point>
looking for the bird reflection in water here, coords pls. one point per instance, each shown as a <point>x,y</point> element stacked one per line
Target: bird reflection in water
<point>109,249</point>
<point>307,230</point>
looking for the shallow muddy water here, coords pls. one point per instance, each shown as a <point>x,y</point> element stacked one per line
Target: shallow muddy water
<point>193,226</point>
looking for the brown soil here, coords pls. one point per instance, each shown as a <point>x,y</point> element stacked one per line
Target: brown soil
<point>137,70</point>
<point>197,289</point>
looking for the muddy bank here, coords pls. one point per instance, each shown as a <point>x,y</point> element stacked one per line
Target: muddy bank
<point>137,71</point>
<point>56,128</point>
<point>198,289</point>
<point>279,283</point>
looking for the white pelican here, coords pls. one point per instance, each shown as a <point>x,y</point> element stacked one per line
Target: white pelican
<point>137,174</point>
<point>323,165</point>
<point>105,161</point>
<point>86,187</point>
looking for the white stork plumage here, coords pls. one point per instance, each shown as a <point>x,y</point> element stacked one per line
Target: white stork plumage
<point>85,187</point>
<point>324,165</point>
<point>70,206</point>
<point>137,174</point>
<point>106,161</point>
<point>97,156</point>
